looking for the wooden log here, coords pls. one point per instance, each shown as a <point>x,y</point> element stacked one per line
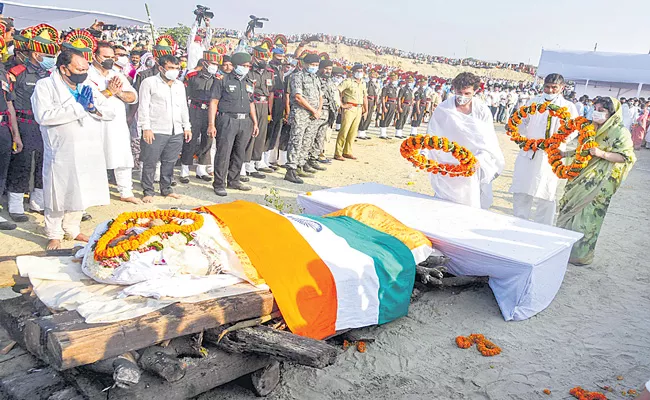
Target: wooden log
<point>14,314</point>
<point>38,384</point>
<point>66,341</point>
<point>69,393</point>
<point>265,380</point>
<point>91,385</point>
<point>202,375</point>
<point>280,345</point>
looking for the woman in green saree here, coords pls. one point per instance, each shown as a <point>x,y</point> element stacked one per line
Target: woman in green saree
<point>586,198</point>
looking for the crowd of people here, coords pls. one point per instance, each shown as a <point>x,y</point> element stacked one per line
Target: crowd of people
<point>80,113</point>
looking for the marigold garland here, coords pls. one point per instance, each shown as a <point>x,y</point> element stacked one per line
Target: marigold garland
<point>512,127</point>
<point>410,150</point>
<point>586,141</point>
<point>128,220</point>
<point>581,394</point>
<point>486,347</point>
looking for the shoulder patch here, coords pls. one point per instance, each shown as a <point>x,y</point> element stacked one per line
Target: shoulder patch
<point>16,70</point>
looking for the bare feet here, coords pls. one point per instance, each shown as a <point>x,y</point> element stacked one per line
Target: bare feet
<point>174,196</point>
<point>147,199</point>
<point>133,200</point>
<point>53,244</point>
<point>82,238</point>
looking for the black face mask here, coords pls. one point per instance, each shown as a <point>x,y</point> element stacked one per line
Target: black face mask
<point>78,78</point>
<point>107,63</point>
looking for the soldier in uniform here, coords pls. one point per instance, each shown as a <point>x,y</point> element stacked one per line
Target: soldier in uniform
<point>306,108</point>
<point>277,64</point>
<point>388,104</point>
<point>232,121</point>
<point>404,106</point>
<point>262,77</point>
<point>330,106</point>
<point>198,85</point>
<point>373,96</point>
<point>42,48</point>
<point>419,106</point>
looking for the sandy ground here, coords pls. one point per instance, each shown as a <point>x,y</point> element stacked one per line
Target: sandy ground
<point>595,330</point>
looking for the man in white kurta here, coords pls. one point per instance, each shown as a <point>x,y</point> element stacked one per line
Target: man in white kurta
<point>74,170</point>
<point>533,180</point>
<point>115,133</point>
<point>465,119</point>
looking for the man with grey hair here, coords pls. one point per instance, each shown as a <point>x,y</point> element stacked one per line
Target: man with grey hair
<point>533,180</point>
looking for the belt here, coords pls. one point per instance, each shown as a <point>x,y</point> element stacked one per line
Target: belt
<point>199,104</point>
<point>372,97</point>
<point>235,115</point>
<point>260,99</point>
<point>355,104</point>
<point>406,103</point>
<point>25,116</point>
<point>279,91</point>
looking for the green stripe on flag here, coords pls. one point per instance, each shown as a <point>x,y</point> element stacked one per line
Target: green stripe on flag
<point>394,263</point>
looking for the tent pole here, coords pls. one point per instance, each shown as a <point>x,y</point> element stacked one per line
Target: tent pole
<point>638,91</point>
<point>586,85</point>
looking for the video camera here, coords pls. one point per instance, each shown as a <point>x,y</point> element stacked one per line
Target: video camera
<point>254,23</point>
<point>203,12</point>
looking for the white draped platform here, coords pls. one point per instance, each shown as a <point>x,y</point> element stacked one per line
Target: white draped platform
<point>525,261</point>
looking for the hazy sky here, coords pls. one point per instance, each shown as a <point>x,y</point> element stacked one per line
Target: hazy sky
<point>506,30</point>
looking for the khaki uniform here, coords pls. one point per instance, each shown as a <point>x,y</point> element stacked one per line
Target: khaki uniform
<point>353,93</point>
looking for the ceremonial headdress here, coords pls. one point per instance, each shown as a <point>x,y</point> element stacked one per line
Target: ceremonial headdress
<point>324,56</point>
<point>263,51</point>
<point>21,40</point>
<point>266,43</point>
<point>82,41</point>
<point>44,39</point>
<point>165,45</point>
<point>280,41</point>
<point>215,53</point>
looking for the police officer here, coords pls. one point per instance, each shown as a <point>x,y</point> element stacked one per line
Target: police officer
<point>23,77</point>
<point>306,109</point>
<point>420,105</point>
<point>404,106</point>
<point>262,78</point>
<point>234,125</point>
<point>388,104</point>
<point>373,97</point>
<point>199,92</point>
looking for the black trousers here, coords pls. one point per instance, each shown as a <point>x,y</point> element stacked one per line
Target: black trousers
<point>20,169</point>
<point>6,142</point>
<point>165,148</point>
<point>275,126</point>
<point>416,118</point>
<point>233,135</point>
<point>387,119</point>
<point>365,122</point>
<point>201,143</point>
<point>257,145</point>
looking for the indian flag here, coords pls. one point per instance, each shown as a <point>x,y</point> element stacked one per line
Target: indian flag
<point>326,273</point>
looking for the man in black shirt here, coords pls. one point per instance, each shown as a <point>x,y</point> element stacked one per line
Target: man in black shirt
<point>234,125</point>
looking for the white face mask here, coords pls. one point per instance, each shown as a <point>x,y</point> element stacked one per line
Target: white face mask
<point>122,61</point>
<point>212,69</point>
<point>551,97</point>
<point>172,74</point>
<point>599,117</point>
<point>462,100</point>
<point>358,75</point>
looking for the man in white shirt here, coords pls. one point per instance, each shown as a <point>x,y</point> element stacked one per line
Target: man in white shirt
<point>117,137</point>
<point>164,119</point>
<point>196,45</point>
<point>533,178</point>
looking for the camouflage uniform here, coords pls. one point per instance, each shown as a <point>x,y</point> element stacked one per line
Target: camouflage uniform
<point>330,106</point>
<point>303,128</point>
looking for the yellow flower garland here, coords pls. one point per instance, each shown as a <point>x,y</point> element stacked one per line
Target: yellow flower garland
<point>128,220</point>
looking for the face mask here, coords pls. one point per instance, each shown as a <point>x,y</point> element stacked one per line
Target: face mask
<point>47,63</point>
<point>108,63</point>
<point>77,78</point>
<point>327,74</point>
<point>599,117</point>
<point>10,50</point>
<point>183,64</point>
<point>241,70</point>
<point>358,75</point>
<point>172,74</point>
<point>212,69</point>
<point>550,97</point>
<point>462,100</point>
<point>312,70</point>
<point>122,61</point>
<point>395,83</point>
<point>411,85</point>
<point>260,64</point>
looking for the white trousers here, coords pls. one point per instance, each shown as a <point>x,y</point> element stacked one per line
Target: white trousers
<point>201,170</point>
<point>124,180</point>
<point>61,223</point>
<point>361,134</point>
<point>544,212</point>
<point>16,204</point>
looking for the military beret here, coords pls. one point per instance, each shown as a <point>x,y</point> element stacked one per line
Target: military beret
<point>338,71</point>
<point>311,59</point>
<point>277,50</point>
<point>226,58</point>
<point>392,75</point>
<point>410,78</point>
<point>325,64</point>
<point>357,67</point>
<point>240,58</point>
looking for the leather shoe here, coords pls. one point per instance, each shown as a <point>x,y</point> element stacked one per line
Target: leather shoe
<point>315,165</point>
<point>292,177</point>
<point>274,167</point>
<point>205,178</point>
<point>339,158</point>
<point>243,178</point>
<point>7,226</point>
<point>86,217</point>
<point>220,192</point>
<point>257,175</point>
<point>308,169</point>
<point>324,161</point>
<point>267,170</point>
<point>184,179</point>
<point>350,156</point>
<point>239,186</point>
<point>303,174</point>
<point>19,217</point>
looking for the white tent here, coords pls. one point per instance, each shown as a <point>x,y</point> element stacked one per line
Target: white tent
<point>600,73</point>
<point>25,15</point>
